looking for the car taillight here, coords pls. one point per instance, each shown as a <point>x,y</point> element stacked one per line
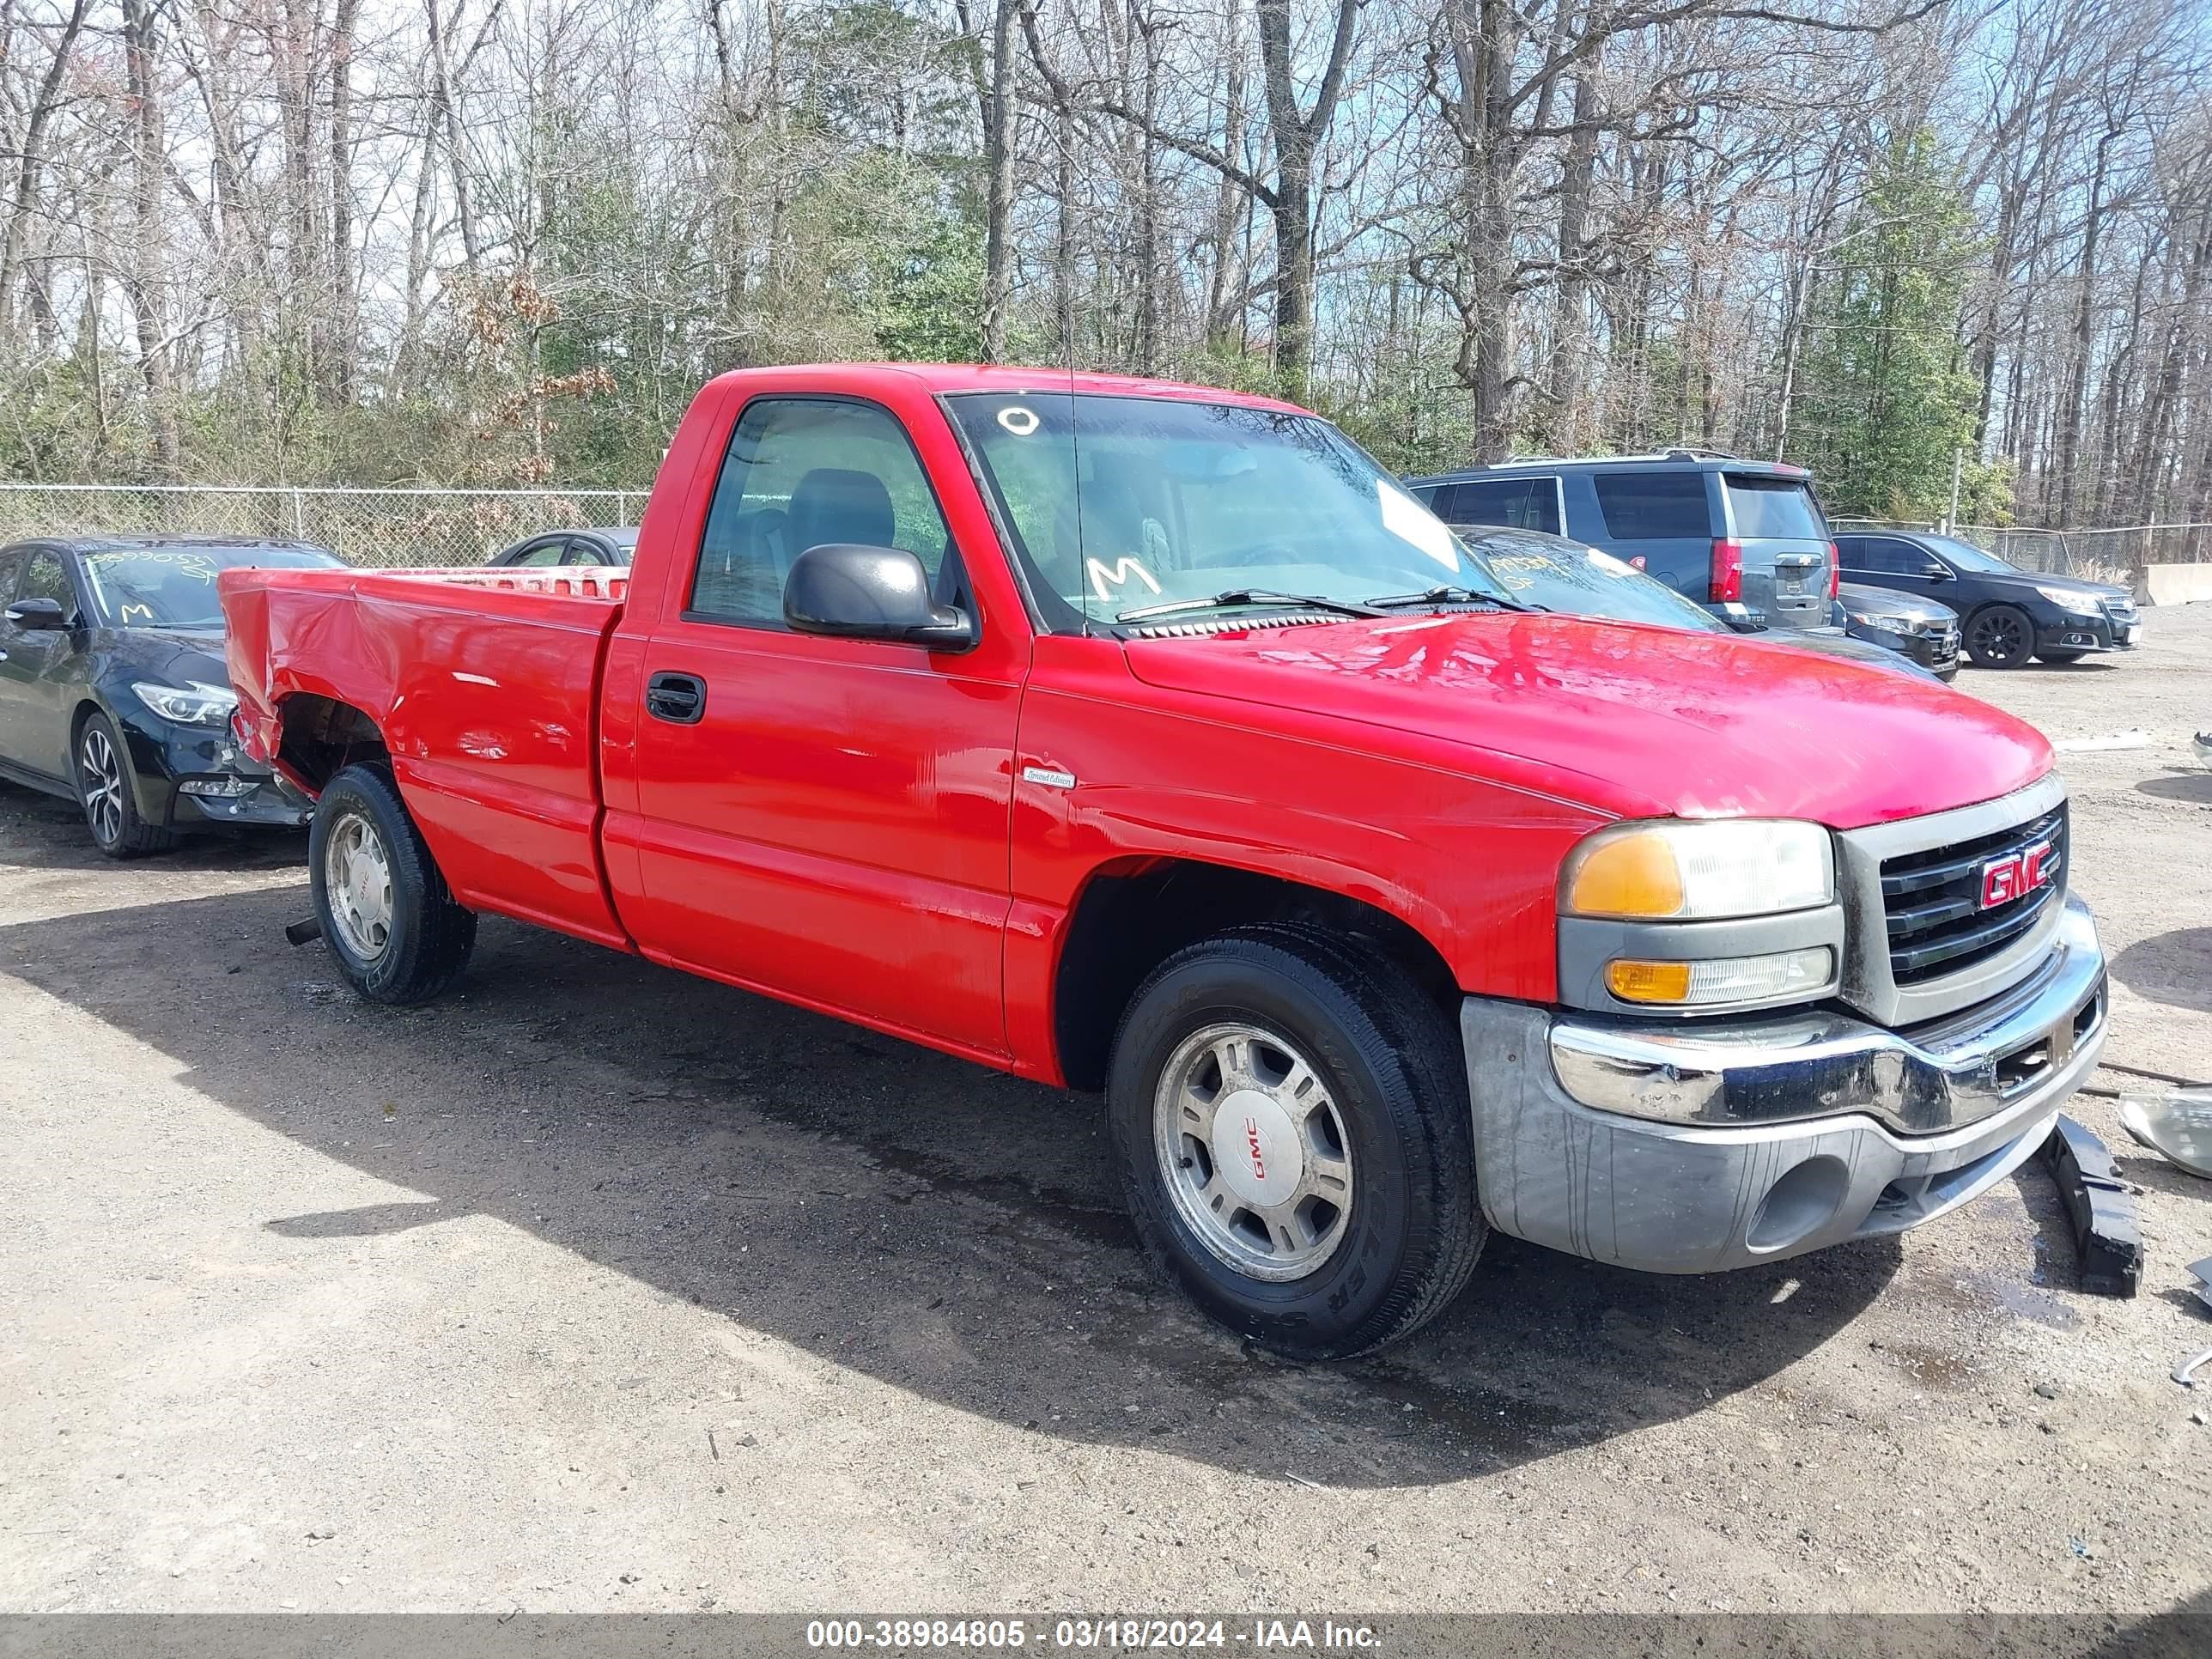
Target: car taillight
<point>1728,571</point>
<point>1835,571</point>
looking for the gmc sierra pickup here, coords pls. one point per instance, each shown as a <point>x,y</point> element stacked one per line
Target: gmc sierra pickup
<point>1149,739</point>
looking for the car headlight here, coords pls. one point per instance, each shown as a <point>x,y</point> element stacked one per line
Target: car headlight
<point>2080,605</point>
<point>188,705</point>
<point>1887,624</point>
<point>1675,870</point>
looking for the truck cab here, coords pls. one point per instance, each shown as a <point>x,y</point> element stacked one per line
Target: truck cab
<point>1152,741</point>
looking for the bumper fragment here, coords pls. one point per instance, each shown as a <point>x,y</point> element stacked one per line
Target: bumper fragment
<point>1679,1149</point>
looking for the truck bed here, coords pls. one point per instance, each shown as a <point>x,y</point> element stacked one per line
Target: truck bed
<point>485,685</point>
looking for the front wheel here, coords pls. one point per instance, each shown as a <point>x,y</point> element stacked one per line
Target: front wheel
<point>398,934</point>
<point>1291,1113</point>
<point>104,790</point>
<point>2000,637</point>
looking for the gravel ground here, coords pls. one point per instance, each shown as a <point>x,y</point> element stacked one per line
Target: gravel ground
<point>595,1287</point>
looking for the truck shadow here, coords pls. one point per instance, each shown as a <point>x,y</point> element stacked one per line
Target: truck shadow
<point>939,1227</point>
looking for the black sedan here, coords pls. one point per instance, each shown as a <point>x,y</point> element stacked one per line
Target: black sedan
<point>611,545</point>
<point>1921,629</point>
<point>1555,574</point>
<point>113,692</point>
<point>2007,615</point>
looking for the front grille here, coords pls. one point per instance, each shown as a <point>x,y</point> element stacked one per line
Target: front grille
<point>1932,900</point>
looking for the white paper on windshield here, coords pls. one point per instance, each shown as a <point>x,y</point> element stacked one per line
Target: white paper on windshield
<point>1407,519</point>
<point>1611,566</point>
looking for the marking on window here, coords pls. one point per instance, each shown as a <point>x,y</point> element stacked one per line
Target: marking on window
<point>1020,421</point>
<point>1103,580</point>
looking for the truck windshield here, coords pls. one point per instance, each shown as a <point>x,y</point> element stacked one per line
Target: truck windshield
<point>1120,505</point>
<point>174,586</point>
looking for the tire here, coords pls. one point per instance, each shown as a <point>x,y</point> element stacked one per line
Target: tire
<point>392,925</point>
<point>2060,658</point>
<point>1388,1110</point>
<point>101,764</point>
<point>2000,637</point>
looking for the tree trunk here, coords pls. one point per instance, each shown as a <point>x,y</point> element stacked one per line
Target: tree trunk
<point>147,279</point>
<point>999,109</point>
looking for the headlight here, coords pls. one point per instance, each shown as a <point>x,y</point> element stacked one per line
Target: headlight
<point>188,705</point>
<point>1887,624</point>
<point>1674,869</point>
<point>2080,604</point>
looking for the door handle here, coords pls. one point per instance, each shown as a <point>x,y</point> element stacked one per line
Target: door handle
<point>680,699</point>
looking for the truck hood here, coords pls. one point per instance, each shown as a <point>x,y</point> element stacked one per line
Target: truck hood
<point>1629,720</point>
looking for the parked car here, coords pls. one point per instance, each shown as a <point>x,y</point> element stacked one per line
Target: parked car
<point>1921,631</point>
<point>1558,575</point>
<point>1151,739</point>
<point>112,689</point>
<point>611,546</point>
<point>2005,615</point>
<point>1731,534</point>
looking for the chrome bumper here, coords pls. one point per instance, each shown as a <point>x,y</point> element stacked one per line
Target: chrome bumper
<point>1689,1149</point>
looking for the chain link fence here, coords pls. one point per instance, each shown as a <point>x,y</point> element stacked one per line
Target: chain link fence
<point>2111,555</point>
<point>362,526</point>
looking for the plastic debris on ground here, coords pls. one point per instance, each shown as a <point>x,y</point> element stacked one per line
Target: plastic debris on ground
<point>2107,1239</point>
<point>2175,1123</point>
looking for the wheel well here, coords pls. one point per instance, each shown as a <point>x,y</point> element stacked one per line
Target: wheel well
<point>321,735</point>
<point>1131,918</point>
<point>85,710</point>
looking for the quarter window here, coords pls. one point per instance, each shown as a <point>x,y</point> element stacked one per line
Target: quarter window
<point>1653,507</point>
<point>800,473</point>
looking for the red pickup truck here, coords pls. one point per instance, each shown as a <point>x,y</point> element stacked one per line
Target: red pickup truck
<point>1151,739</point>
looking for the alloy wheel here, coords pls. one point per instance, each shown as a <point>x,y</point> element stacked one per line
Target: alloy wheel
<point>1253,1151</point>
<point>100,774</point>
<point>1999,637</point>
<point>357,876</point>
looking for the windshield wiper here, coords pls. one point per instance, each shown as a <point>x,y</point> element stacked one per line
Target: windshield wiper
<point>1249,596</point>
<point>1449,595</point>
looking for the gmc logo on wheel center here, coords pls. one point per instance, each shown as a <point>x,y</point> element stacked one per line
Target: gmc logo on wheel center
<point>2016,874</point>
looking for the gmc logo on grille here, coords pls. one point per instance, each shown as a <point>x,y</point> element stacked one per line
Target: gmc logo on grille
<point>2016,875</point>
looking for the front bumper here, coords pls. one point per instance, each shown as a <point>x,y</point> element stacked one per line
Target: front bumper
<point>2072,632</point>
<point>173,768</point>
<point>1938,652</point>
<point>1693,1149</point>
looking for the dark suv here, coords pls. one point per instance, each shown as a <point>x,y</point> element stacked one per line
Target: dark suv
<point>2007,615</point>
<point>1736,536</point>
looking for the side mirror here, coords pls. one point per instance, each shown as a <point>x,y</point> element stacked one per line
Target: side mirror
<point>1937,573</point>
<point>36,615</point>
<point>858,593</point>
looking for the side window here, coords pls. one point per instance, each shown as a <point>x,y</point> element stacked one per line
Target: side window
<point>11,566</point>
<point>46,578</point>
<point>1895,558</point>
<point>802,472</point>
<point>1650,506</point>
<point>1516,503</point>
<point>543,553</point>
<point>1851,554</point>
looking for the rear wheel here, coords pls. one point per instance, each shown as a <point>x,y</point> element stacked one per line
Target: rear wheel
<point>2060,658</point>
<point>2000,637</point>
<point>1291,1112</point>
<point>396,931</point>
<point>104,790</point>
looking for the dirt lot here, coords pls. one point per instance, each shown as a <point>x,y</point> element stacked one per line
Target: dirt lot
<point>596,1287</point>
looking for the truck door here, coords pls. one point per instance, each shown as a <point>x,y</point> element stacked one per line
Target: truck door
<point>824,819</point>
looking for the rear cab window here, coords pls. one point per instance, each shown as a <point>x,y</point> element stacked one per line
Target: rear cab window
<point>1766,508</point>
<point>1653,507</point>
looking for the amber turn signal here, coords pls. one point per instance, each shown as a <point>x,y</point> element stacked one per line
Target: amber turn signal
<point>1648,982</point>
